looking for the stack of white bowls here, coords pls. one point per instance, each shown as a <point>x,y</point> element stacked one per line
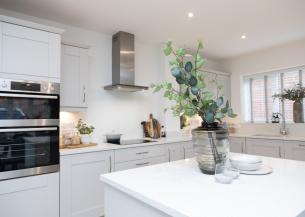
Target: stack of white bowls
<point>246,162</point>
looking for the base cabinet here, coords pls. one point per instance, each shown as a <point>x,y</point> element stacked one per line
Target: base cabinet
<point>237,144</point>
<point>294,150</point>
<point>81,191</point>
<point>265,147</point>
<point>34,196</point>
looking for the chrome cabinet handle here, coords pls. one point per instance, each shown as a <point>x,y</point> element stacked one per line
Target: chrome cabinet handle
<point>144,152</point>
<point>110,167</point>
<point>142,164</point>
<point>169,155</point>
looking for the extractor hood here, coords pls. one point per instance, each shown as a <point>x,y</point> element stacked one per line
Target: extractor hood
<point>123,64</point>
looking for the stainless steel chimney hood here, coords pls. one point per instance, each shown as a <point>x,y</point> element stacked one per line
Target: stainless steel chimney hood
<point>123,63</point>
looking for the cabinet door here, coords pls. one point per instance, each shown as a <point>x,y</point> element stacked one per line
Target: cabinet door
<point>1,36</point>
<point>188,153</point>
<point>175,152</point>
<point>81,190</point>
<point>294,150</point>
<point>265,147</point>
<point>74,77</point>
<point>237,145</point>
<point>54,55</point>
<point>25,51</point>
<point>33,196</point>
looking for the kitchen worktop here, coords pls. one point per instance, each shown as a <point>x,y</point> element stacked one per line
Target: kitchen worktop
<point>108,146</point>
<point>269,136</point>
<point>179,189</point>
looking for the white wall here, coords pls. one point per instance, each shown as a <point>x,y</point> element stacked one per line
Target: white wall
<point>280,57</point>
<point>119,111</point>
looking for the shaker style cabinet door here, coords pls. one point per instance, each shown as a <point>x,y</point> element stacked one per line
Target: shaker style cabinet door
<point>237,144</point>
<point>74,77</point>
<point>27,51</point>
<point>175,152</point>
<point>81,190</point>
<point>265,147</point>
<point>294,150</point>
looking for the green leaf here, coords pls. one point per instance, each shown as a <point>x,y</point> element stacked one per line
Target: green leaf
<point>231,113</point>
<point>188,66</point>
<point>219,101</point>
<point>200,44</point>
<point>168,48</point>
<point>209,117</point>
<point>179,80</point>
<point>194,90</point>
<point>180,52</point>
<point>176,72</point>
<point>193,81</point>
<point>219,115</point>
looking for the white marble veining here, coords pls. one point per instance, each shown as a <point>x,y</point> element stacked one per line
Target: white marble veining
<point>180,189</point>
<point>108,146</point>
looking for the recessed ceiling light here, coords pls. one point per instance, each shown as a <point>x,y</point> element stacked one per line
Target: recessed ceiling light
<point>190,14</point>
<point>243,37</point>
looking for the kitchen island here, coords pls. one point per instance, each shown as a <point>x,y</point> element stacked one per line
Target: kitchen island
<point>180,189</point>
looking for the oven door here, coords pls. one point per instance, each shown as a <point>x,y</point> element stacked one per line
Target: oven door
<point>28,151</point>
<point>22,109</point>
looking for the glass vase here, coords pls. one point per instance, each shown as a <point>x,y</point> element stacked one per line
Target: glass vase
<point>211,147</point>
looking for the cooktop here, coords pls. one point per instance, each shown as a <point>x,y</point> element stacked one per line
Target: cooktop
<point>133,141</point>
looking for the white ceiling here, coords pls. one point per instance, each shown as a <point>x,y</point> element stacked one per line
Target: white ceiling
<point>219,23</point>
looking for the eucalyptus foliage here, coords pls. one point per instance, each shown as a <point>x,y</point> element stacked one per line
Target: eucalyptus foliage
<point>193,97</point>
<point>296,94</point>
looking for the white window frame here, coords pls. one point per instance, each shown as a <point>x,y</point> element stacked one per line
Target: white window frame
<point>250,77</point>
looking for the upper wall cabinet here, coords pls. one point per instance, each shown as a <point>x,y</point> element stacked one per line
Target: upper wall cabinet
<point>28,52</point>
<point>74,77</point>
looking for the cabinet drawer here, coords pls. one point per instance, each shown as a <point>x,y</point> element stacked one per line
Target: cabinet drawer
<point>295,150</point>
<point>137,153</point>
<point>237,144</point>
<point>140,163</point>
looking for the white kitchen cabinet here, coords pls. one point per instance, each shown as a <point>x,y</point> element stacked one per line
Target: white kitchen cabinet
<point>237,144</point>
<point>74,77</point>
<point>81,191</point>
<point>265,147</point>
<point>140,163</point>
<point>33,196</point>
<point>175,152</point>
<point>188,149</point>
<point>294,150</point>
<point>29,52</point>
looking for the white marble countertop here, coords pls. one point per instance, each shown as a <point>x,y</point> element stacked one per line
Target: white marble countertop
<point>269,136</point>
<point>179,189</point>
<point>108,146</point>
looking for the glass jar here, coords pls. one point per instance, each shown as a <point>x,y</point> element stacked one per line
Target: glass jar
<point>211,147</point>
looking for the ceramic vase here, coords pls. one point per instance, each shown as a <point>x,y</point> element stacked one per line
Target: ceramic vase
<point>85,139</point>
<point>298,116</point>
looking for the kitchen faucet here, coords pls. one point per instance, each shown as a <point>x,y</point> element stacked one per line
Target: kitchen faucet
<point>283,129</point>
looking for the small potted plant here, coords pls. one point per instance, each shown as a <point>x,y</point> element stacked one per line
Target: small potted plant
<point>84,131</point>
<point>295,94</point>
<point>211,144</point>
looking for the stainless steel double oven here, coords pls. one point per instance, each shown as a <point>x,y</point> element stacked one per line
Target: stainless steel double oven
<point>29,128</point>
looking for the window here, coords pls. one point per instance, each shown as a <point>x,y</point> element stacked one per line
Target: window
<point>258,103</point>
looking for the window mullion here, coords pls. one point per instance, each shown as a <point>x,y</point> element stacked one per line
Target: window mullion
<point>282,89</point>
<point>266,97</point>
<point>251,100</point>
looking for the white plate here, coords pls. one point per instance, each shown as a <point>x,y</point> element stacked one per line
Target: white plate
<point>245,159</point>
<point>263,170</point>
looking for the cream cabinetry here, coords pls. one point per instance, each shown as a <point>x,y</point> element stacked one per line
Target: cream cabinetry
<point>74,77</point>
<point>81,191</point>
<point>295,150</point>
<point>29,53</point>
<point>265,147</point>
<point>237,144</point>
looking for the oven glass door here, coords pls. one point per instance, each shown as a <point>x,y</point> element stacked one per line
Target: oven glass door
<point>19,109</point>
<point>28,151</point>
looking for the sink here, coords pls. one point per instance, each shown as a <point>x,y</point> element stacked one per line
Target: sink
<point>268,135</point>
